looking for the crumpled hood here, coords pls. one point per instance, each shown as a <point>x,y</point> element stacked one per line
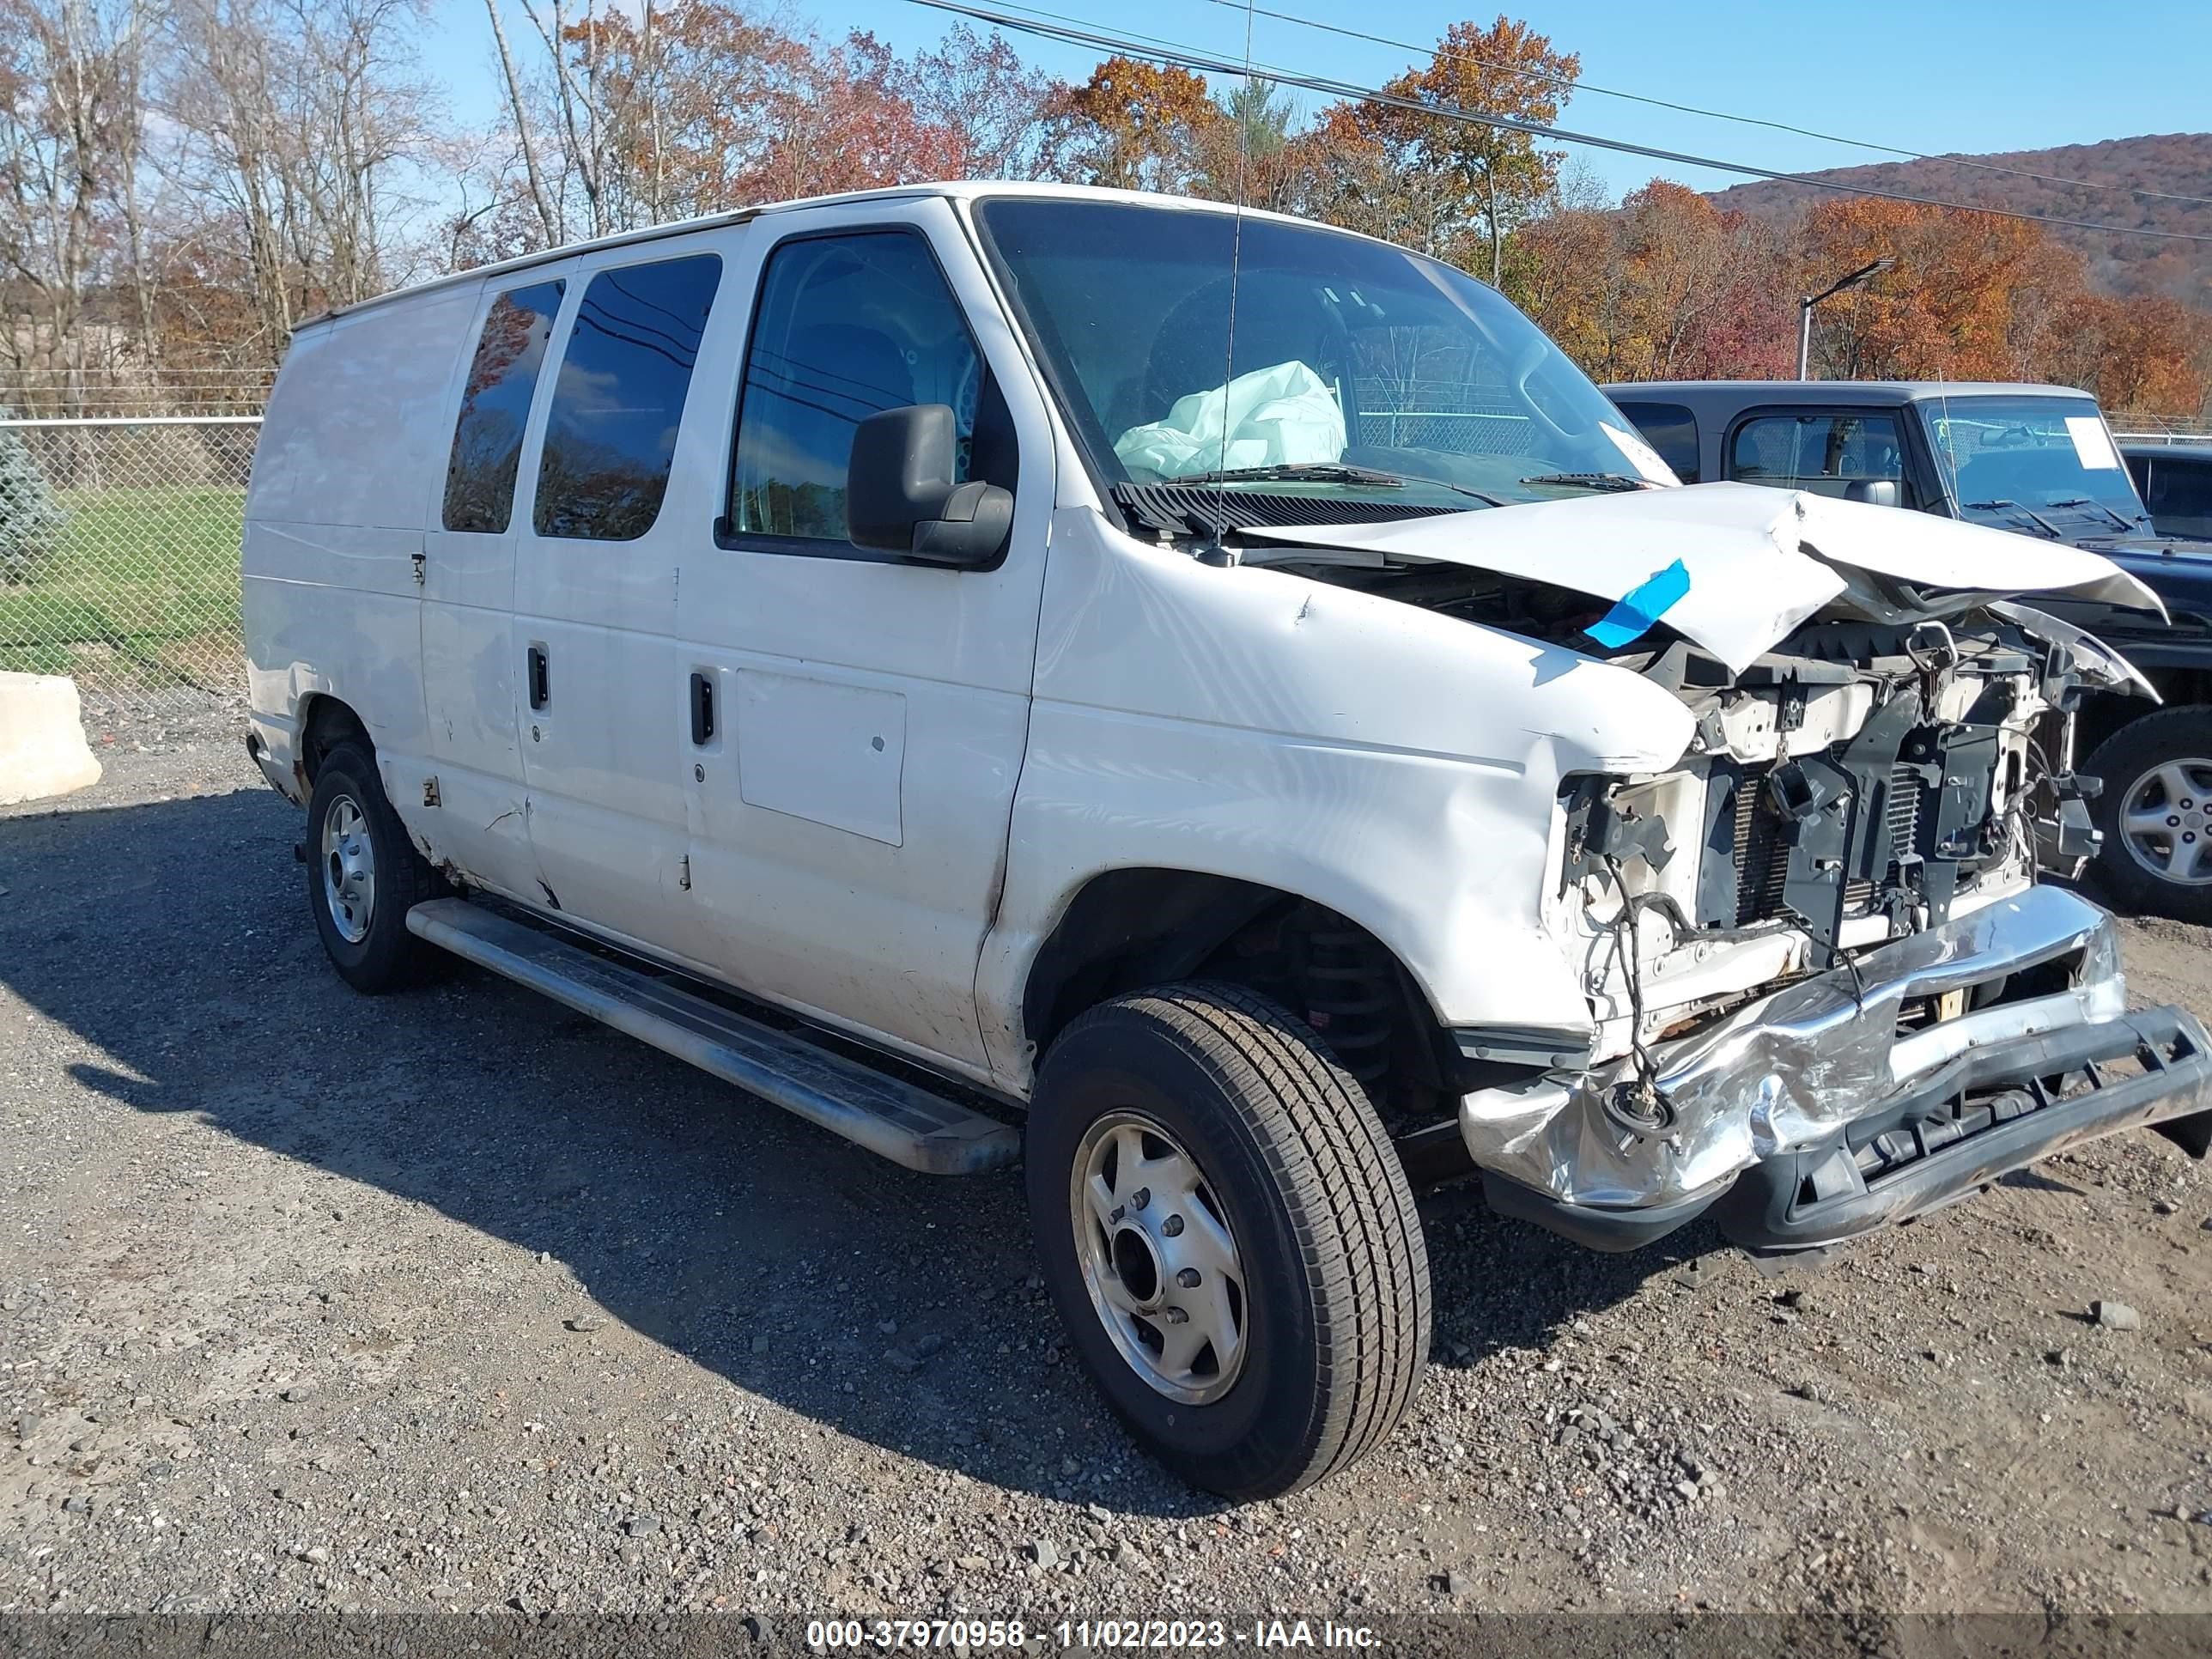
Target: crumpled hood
<point>1735,568</point>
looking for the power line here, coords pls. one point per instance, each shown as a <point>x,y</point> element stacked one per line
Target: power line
<point>1569,83</point>
<point>1068,32</point>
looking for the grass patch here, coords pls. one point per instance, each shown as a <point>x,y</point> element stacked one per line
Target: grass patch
<point>144,588</point>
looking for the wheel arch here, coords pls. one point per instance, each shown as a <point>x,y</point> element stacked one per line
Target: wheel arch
<point>2105,716</point>
<point>326,720</point>
<point>1132,926</point>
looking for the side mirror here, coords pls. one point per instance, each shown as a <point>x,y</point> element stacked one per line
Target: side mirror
<point>1874,492</point>
<point>900,496</point>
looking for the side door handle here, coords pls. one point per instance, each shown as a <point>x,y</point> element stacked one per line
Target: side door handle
<point>541,678</point>
<point>702,708</point>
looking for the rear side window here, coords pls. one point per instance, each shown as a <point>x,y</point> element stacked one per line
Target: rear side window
<point>611,432</point>
<point>849,327</point>
<point>1672,431</point>
<point>1821,454</point>
<point>495,407</point>
<point>2180,495</point>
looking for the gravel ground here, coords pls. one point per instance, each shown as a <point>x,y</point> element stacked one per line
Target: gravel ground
<point>453,1300</point>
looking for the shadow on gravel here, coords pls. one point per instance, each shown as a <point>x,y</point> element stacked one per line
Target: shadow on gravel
<point>174,938</point>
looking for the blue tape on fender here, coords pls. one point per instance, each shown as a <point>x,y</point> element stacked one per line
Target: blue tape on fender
<point>1642,605</point>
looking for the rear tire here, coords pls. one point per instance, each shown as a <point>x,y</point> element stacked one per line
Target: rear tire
<point>1273,1174</point>
<point>2156,815</point>
<point>364,875</point>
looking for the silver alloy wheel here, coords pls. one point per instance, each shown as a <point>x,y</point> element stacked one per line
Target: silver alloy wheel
<point>1158,1258</point>
<point>2167,821</point>
<point>348,870</point>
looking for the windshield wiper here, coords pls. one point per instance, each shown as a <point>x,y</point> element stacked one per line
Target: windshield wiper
<point>1606,481</point>
<point>2048,528</point>
<point>1294,472</point>
<point>2124,524</point>
<point>1328,472</point>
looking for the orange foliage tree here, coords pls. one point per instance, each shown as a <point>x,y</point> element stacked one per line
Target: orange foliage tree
<point>1665,286</point>
<point>2143,354</point>
<point>1460,178</point>
<point>1948,306</point>
<point>1136,125</point>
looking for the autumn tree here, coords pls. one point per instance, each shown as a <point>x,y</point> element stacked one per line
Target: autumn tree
<point>1567,273</point>
<point>1456,177</point>
<point>847,125</point>
<point>634,118</point>
<point>1664,286</point>
<point>296,132</point>
<point>1136,125</point>
<point>1706,289</point>
<point>2146,355</point>
<point>71,124</point>
<point>992,111</point>
<point>1945,306</point>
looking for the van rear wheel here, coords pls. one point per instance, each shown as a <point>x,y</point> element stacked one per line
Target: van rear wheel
<point>1229,1237</point>
<point>364,875</point>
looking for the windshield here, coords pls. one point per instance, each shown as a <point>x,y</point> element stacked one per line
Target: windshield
<point>1346,364</point>
<point>2032,463</point>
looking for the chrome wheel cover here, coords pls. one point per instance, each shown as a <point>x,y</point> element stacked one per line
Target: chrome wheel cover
<point>1158,1258</point>
<point>2167,821</point>
<point>348,863</point>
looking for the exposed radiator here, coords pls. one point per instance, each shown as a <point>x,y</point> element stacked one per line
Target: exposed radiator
<point>1762,855</point>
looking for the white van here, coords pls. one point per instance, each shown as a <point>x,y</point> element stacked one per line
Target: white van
<point>1288,762</point>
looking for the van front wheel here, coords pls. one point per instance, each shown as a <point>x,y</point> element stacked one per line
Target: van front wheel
<point>364,875</point>
<point>1229,1237</point>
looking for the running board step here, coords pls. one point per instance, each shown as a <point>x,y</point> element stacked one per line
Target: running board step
<point>906,1124</point>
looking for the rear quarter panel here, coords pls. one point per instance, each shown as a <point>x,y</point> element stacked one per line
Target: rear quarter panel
<point>352,446</point>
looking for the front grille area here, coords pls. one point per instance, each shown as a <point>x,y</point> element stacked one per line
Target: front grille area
<point>1762,855</point>
<point>1905,791</point>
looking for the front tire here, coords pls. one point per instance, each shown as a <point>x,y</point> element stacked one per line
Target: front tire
<point>2157,814</point>
<point>363,876</point>
<point>1229,1236</point>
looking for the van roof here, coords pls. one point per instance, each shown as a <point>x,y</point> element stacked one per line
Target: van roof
<point>958,190</point>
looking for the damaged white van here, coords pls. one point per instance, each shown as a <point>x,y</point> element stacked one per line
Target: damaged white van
<point>1224,695</point>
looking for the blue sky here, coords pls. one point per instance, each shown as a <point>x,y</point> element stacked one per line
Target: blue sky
<point>1938,76</point>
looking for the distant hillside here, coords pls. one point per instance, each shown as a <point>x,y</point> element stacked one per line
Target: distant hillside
<point>2179,163</point>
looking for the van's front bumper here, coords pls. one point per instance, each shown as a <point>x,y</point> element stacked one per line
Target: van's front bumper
<point>1836,1105</point>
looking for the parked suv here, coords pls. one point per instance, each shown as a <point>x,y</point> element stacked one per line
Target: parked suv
<point>1268,773</point>
<point>2039,461</point>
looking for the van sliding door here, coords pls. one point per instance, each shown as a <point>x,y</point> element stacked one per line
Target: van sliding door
<point>469,676</point>
<point>600,540</point>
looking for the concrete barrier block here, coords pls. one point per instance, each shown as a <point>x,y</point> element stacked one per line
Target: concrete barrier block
<point>42,747</point>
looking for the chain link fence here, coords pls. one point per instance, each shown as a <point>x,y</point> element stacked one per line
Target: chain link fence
<point>118,552</point>
<point>2161,428</point>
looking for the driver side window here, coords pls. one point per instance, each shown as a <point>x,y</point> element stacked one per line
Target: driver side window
<point>1822,455</point>
<point>848,326</point>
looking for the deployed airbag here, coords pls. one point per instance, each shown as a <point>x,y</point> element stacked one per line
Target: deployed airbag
<point>1285,416</point>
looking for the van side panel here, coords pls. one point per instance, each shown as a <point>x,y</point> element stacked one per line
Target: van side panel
<point>351,449</point>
